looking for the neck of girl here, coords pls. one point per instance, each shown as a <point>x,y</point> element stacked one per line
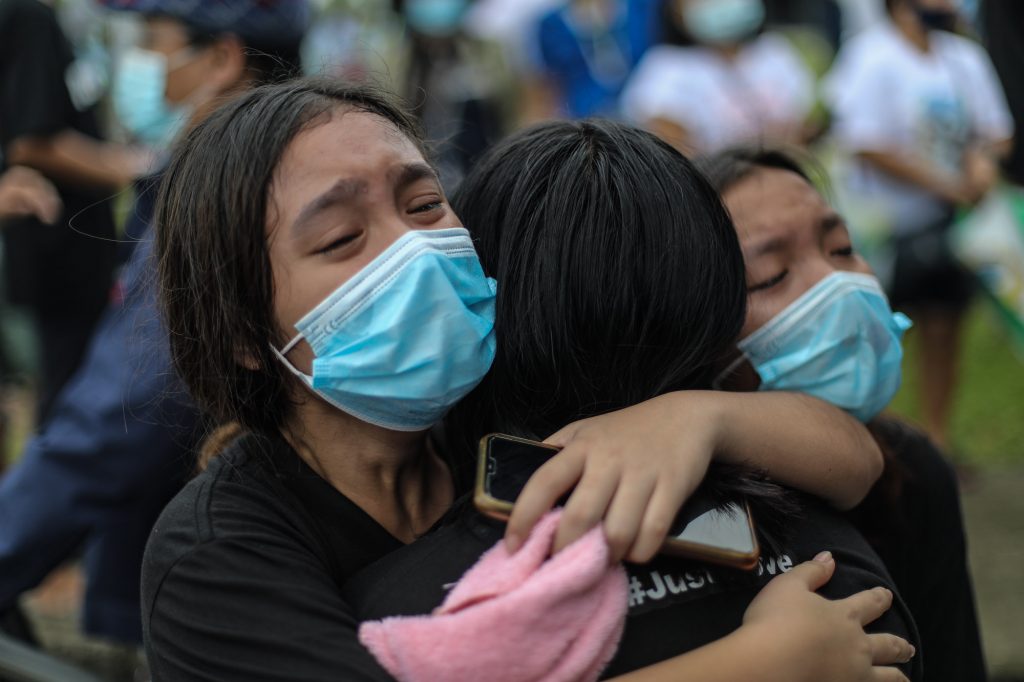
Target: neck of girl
<point>394,476</point>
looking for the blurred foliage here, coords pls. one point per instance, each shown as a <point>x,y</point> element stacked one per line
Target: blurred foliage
<point>988,417</point>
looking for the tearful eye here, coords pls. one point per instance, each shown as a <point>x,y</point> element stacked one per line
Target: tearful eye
<point>768,283</point>
<point>427,207</point>
<point>338,243</point>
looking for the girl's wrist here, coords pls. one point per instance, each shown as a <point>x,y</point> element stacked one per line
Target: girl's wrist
<point>716,414</point>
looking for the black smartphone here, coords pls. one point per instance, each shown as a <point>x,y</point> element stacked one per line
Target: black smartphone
<point>720,535</point>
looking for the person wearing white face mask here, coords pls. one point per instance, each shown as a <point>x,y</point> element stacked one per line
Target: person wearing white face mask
<point>818,323</point>
<point>718,79</point>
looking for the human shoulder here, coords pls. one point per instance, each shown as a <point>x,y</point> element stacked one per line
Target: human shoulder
<point>664,65</point>
<point>963,51</point>
<point>236,495</point>
<point>772,44</point>
<point>864,66</point>
<point>872,47</point>
<point>237,585</point>
<point>923,464</point>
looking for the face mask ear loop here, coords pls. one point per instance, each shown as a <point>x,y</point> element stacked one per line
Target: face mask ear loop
<point>716,383</point>
<point>287,363</point>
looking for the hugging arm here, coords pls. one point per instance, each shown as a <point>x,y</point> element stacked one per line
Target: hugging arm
<point>635,468</point>
<point>790,634</point>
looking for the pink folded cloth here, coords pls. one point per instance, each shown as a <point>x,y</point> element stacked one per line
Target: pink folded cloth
<point>524,617</point>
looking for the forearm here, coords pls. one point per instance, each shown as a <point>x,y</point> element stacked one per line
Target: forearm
<point>916,173</point>
<point>746,655</point>
<point>798,440</point>
<point>75,158</point>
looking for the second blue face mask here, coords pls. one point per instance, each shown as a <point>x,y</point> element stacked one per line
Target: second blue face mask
<point>408,336</point>
<point>139,101</point>
<point>839,342</point>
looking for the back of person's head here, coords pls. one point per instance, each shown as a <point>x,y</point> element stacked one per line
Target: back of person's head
<point>619,275</point>
<point>270,31</point>
<point>212,214</point>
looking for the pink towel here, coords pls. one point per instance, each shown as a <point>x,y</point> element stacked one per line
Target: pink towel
<point>514,618</point>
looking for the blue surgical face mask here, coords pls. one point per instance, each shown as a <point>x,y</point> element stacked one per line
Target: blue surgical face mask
<point>722,21</point>
<point>407,337</point>
<point>839,342</point>
<point>435,17</point>
<point>138,96</point>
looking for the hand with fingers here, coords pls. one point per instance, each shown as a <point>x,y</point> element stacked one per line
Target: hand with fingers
<point>24,192</point>
<point>819,639</point>
<point>627,470</point>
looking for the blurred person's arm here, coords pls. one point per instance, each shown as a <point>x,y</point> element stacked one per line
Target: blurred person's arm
<point>42,126</point>
<point>950,188</point>
<point>25,192</point>
<point>77,159</point>
<point>119,432</point>
<point>979,173</point>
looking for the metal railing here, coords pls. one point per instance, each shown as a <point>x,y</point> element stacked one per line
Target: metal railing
<point>22,663</point>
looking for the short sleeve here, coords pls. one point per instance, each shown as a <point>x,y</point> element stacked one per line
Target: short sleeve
<point>990,112</point>
<point>791,75</point>
<point>34,98</point>
<point>855,91</point>
<point>252,610</point>
<point>653,91</point>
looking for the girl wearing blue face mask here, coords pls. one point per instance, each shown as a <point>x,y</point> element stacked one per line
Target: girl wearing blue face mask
<point>818,323</point>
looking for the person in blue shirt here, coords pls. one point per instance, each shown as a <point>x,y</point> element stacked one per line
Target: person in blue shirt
<point>586,50</point>
<point>119,441</point>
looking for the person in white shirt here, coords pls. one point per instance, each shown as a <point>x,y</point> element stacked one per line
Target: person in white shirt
<point>719,80</point>
<point>921,112</point>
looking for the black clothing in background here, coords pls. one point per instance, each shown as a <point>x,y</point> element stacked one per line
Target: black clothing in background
<point>912,518</point>
<point>1002,25</point>
<point>61,272</point>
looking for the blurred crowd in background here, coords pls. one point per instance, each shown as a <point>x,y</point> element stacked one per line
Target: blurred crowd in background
<point>909,106</point>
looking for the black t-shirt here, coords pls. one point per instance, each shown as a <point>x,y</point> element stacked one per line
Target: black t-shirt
<point>67,266</point>
<point>260,570</point>
<point>912,519</point>
<point>675,605</point>
<point>242,574</point>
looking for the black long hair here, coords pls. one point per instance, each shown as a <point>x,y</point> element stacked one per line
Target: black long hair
<point>620,278</point>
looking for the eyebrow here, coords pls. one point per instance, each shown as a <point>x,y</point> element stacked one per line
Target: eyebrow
<point>410,173</point>
<point>773,244</point>
<point>769,245</point>
<point>830,222</point>
<point>343,191</point>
